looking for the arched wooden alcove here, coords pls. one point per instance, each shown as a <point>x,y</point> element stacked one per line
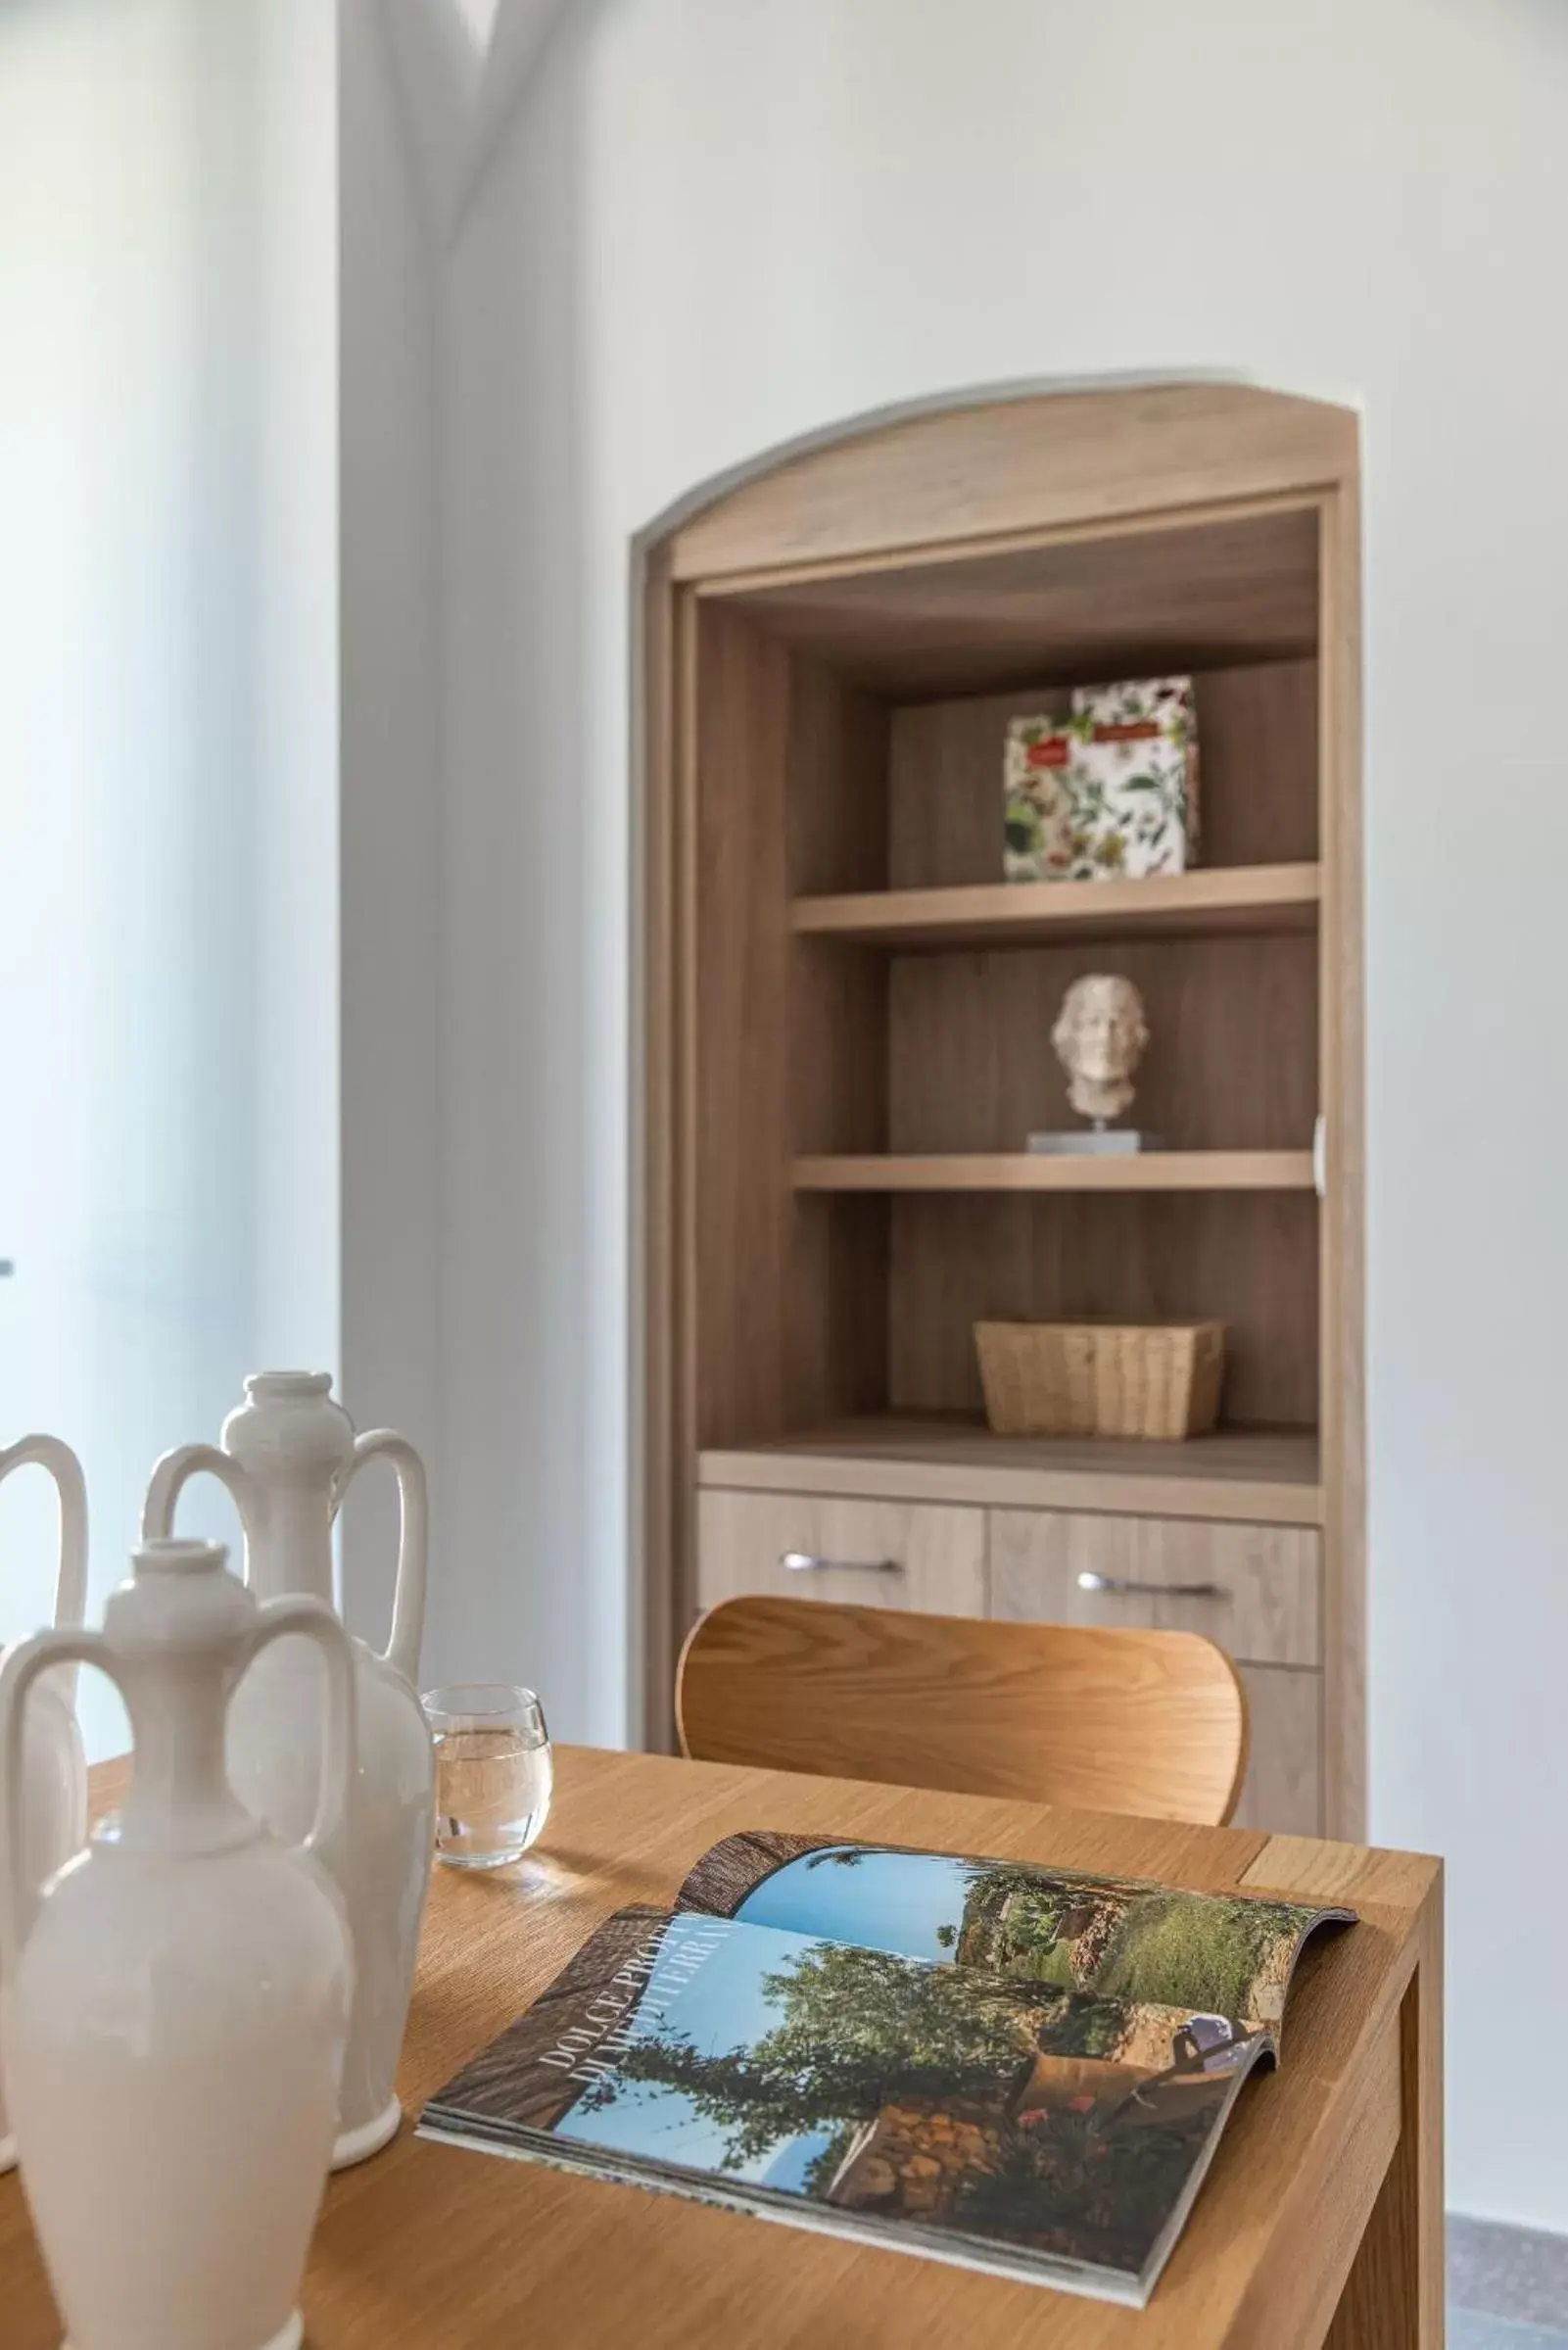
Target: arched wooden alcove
<point>845,1038</point>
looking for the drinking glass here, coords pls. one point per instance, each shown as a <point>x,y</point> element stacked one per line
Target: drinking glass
<point>494,1773</point>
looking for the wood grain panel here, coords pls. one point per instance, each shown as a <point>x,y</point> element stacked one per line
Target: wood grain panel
<point>1023,1171</point>
<point>835,819</point>
<point>422,2245</point>
<point>1344,1289</point>
<point>1258,742</point>
<point>1205,903</point>
<point>835,1303</point>
<point>1283,1790</point>
<point>1394,2296</point>
<point>1265,1607</point>
<point>1009,465</point>
<point>743,1139</point>
<point>1354,1875</point>
<point>1248,1259</point>
<point>1184,594</point>
<point>1258,1476</point>
<point>835,1308</point>
<point>891,1554</point>
<point>838,758</point>
<point>662,1437</point>
<point>1258,735</point>
<point>1148,1722</point>
<point>790,1044</point>
<point>944,785</point>
<point>1231,1062</point>
<point>837,1067</point>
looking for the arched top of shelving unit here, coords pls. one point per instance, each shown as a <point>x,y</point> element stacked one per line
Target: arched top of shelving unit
<point>1004,468</point>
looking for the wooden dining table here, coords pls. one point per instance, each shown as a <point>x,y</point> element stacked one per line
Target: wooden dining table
<point>1321,2219</point>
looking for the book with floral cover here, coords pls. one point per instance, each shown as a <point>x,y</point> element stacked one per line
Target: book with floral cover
<point>1108,793</point>
<point>989,2062</point>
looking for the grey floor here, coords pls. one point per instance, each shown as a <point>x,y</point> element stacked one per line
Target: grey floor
<point>1508,2287</point>
<point>1470,2329</point>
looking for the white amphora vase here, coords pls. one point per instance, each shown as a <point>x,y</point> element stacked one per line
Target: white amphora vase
<point>54,1816</point>
<point>287,1456</point>
<point>175,2004</point>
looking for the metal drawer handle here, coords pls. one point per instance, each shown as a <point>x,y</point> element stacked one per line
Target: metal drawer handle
<point>806,1562</point>
<point>1152,1591</point>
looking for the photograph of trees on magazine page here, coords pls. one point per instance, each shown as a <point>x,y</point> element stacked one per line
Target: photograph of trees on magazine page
<point>816,2071</point>
<point>1230,1956</point>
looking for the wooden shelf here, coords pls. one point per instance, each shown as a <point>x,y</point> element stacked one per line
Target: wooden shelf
<point>1023,1170</point>
<point>1267,1476</point>
<point>1163,593</point>
<point>852,1009</point>
<point>1219,900</point>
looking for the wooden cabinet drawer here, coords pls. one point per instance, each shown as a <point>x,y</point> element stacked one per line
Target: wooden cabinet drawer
<point>1252,1589</point>
<point>882,1553</point>
<point>1282,1791</point>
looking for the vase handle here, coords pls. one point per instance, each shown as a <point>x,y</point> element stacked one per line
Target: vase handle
<point>26,1660</point>
<point>314,1619</point>
<point>70,1579</point>
<point>174,1471</point>
<point>402,1651</point>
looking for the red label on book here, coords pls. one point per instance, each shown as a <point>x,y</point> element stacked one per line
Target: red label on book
<point>1129,730</point>
<point>1054,751</point>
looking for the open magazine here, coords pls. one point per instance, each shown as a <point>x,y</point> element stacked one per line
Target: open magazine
<point>1012,2067</point>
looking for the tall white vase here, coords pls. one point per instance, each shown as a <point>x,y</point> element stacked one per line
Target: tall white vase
<point>176,2005</point>
<point>287,1456</point>
<point>54,1815</point>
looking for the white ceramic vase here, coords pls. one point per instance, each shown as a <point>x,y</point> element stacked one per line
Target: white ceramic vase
<point>54,1815</point>
<point>287,1456</point>
<point>176,2005</point>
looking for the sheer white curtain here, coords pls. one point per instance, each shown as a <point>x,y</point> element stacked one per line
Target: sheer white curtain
<point>168,734</point>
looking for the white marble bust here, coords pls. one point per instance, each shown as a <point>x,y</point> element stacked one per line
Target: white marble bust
<point>1100,1038</point>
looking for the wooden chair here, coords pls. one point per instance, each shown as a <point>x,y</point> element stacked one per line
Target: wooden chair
<point>1146,1722</point>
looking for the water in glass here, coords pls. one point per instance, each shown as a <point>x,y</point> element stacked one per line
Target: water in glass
<point>494,1773</point>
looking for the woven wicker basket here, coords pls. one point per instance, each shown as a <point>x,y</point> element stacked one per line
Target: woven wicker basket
<point>1066,1378</point>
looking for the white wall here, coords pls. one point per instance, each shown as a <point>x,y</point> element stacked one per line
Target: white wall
<point>168,734</point>
<point>484,1128</point>
<point>715,224</point>
<point>390,818</point>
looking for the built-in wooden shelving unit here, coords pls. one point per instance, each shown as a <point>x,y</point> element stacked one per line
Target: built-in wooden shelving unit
<point>848,1038</point>
<point>1259,1475</point>
<point>1018,1171</point>
<point>1207,903</point>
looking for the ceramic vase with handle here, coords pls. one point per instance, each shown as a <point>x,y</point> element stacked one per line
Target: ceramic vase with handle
<point>175,2004</point>
<point>54,1813</point>
<point>287,1456</point>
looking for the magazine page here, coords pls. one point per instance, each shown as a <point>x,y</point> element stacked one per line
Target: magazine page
<point>1227,1954</point>
<point>1006,2124</point>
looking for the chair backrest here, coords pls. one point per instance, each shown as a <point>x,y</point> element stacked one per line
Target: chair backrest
<point>1148,1722</point>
